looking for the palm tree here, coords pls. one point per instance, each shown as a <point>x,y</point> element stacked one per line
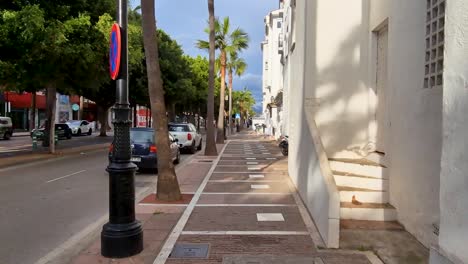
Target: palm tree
<point>168,186</point>
<point>226,42</point>
<point>234,65</point>
<point>210,148</point>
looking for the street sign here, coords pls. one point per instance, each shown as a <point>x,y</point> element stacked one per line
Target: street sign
<point>75,107</point>
<point>237,116</point>
<point>114,51</point>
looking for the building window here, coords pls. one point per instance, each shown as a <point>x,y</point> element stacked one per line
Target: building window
<point>435,40</point>
<point>278,24</point>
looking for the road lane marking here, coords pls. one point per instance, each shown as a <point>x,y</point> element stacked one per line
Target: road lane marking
<point>66,176</point>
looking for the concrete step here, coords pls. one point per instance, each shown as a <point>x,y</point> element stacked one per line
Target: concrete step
<point>368,211</point>
<point>363,195</point>
<point>357,168</point>
<point>370,225</point>
<point>362,182</point>
<point>373,156</point>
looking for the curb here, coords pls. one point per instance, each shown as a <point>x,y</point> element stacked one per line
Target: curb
<point>30,159</point>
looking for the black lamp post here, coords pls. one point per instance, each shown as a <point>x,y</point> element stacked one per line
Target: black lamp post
<point>122,236</point>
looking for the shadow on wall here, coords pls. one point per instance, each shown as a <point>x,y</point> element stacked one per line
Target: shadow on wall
<point>342,99</point>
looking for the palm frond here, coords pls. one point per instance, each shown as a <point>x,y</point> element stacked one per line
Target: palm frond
<point>226,26</point>
<point>203,44</point>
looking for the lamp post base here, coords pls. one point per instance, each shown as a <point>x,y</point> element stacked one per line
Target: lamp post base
<point>121,240</point>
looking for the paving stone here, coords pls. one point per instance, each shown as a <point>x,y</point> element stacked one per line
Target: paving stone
<point>243,219</point>
<point>225,246</point>
<point>246,199</point>
<point>245,187</point>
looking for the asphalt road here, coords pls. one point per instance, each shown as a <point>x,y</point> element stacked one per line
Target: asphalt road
<point>42,206</point>
<point>23,145</point>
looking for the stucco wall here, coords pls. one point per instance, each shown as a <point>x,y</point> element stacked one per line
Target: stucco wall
<point>338,45</point>
<point>453,238</point>
<point>413,131</point>
<point>307,160</point>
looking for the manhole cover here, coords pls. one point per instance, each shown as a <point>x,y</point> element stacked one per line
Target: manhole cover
<point>190,251</point>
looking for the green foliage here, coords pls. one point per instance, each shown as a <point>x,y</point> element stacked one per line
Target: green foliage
<point>243,102</point>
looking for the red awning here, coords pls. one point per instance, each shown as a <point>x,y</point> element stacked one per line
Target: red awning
<point>24,100</point>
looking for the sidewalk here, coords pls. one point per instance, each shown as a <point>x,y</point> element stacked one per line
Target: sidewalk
<point>238,208</point>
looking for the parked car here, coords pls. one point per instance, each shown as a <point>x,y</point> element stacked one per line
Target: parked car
<point>187,135</point>
<point>6,127</point>
<point>79,127</point>
<point>144,151</point>
<point>61,130</point>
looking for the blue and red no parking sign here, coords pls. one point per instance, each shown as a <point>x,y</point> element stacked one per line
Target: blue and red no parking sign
<point>114,51</point>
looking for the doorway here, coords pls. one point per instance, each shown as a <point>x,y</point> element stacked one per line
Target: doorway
<point>381,87</point>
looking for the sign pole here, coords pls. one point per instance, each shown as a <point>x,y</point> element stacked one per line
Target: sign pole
<point>122,236</point>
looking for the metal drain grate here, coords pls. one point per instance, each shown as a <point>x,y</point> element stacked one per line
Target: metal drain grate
<point>190,251</point>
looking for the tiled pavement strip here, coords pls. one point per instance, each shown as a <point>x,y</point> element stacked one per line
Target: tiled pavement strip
<point>245,209</point>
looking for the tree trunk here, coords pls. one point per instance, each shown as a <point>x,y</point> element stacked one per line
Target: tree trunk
<point>32,117</point>
<point>230,102</point>
<point>135,116</point>
<point>51,102</point>
<point>220,135</point>
<point>167,186</point>
<point>102,117</point>
<point>173,112</point>
<point>210,149</point>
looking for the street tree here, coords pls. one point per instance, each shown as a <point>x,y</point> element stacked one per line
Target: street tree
<point>167,186</point>
<point>48,46</point>
<point>210,149</point>
<point>243,103</point>
<point>226,41</point>
<point>235,65</point>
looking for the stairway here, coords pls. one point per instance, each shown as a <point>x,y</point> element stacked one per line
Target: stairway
<point>363,187</point>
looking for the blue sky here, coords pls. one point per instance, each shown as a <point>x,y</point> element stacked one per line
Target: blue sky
<point>185,20</point>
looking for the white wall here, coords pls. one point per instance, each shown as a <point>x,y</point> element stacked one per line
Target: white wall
<point>453,238</point>
<point>413,132</point>
<point>337,85</point>
<point>307,159</point>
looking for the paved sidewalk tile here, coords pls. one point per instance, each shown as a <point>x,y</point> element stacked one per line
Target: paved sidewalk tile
<point>246,199</point>
<point>243,219</point>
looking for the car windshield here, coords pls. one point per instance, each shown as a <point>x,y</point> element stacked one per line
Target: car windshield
<point>74,123</point>
<point>141,136</point>
<point>179,128</point>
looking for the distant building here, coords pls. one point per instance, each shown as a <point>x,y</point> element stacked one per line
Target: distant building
<point>272,73</point>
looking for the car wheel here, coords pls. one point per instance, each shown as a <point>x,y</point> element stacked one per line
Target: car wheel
<point>79,132</point>
<point>69,135</point>
<point>90,132</point>
<point>6,136</point>
<point>200,145</point>
<point>177,160</point>
<point>193,148</point>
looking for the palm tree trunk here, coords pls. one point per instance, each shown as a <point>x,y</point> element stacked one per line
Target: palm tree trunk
<point>230,102</point>
<point>220,135</point>
<point>210,149</point>
<point>167,186</point>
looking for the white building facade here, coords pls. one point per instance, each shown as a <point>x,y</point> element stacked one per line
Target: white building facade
<point>375,104</point>
<point>272,73</point>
